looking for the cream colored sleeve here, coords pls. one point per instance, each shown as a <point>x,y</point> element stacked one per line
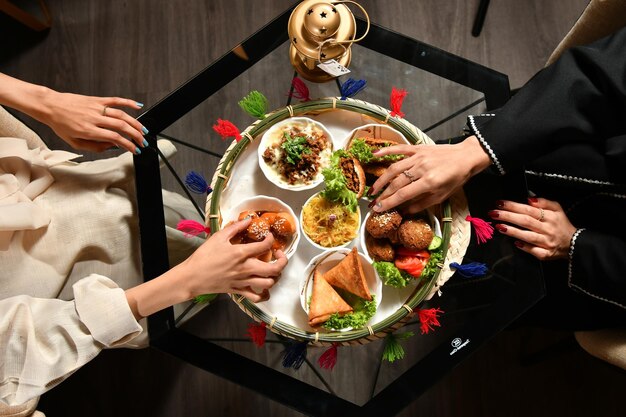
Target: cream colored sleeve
<point>43,341</point>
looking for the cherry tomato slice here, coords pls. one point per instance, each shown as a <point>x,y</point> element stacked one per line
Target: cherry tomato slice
<point>402,251</point>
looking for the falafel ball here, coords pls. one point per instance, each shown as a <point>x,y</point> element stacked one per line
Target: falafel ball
<point>415,234</point>
<point>379,249</point>
<point>380,225</point>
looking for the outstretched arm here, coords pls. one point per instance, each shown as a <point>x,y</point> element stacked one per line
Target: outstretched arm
<point>84,122</point>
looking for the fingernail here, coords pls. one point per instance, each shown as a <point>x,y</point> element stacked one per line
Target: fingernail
<point>145,143</point>
<point>378,207</point>
<point>518,244</point>
<point>371,204</point>
<point>144,130</point>
<point>137,151</point>
<point>499,204</point>
<point>494,214</point>
<point>501,228</point>
<point>369,192</point>
<point>140,105</point>
<point>532,199</point>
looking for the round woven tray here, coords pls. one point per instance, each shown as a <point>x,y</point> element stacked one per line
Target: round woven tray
<point>456,230</point>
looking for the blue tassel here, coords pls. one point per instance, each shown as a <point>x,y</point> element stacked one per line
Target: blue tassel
<point>471,270</point>
<point>197,184</point>
<point>294,355</point>
<point>351,88</point>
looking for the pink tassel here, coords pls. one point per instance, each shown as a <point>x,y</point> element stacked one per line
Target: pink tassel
<point>227,130</point>
<point>328,360</point>
<point>257,333</point>
<point>300,90</point>
<point>483,229</point>
<point>397,97</point>
<point>429,318</point>
<point>192,228</point>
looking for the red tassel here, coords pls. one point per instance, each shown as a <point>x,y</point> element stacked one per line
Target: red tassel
<point>300,90</point>
<point>483,229</point>
<point>397,97</point>
<point>192,228</point>
<point>227,130</point>
<point>257,333</point>
<point>328,360</point>
<point>429,318</point>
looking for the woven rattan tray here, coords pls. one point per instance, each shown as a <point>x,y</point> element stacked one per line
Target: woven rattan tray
<point>238,176</point>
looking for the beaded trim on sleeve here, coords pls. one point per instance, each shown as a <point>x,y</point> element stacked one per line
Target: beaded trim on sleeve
<point>569,272</point>
<point>569,178</point>
<point>485,145</point>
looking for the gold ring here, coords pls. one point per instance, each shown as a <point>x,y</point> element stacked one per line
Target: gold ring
<point>408,174</point>
<point>104,110</point>
<point>541,215</point>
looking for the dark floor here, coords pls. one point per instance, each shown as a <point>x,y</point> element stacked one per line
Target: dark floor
<point>143,49</point>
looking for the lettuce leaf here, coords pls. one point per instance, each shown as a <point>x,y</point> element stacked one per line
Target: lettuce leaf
<point>391,275</point>
<point>336,185</point>
<point>363,152</point>
<point>431,268</point>
<point>363,311</point>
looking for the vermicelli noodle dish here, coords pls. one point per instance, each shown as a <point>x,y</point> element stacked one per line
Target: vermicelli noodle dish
<point>328,223</point>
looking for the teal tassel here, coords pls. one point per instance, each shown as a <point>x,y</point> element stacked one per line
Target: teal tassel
<point>351,88</point>
<point>255,104</point>
<point>294,355</point>
<point>471,270</point>
<point>196,183</point>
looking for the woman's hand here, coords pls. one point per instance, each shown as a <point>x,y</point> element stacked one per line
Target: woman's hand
<point>93,123</point>
<point>215,267</point>
<point>428,175</point>
<point>221,267</point>
<point>84,122</point>
<point>541,227</point>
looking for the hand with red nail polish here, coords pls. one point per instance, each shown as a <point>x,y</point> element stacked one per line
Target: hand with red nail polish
<point>540,228</point>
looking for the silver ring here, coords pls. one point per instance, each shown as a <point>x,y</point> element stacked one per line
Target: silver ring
<point>408,174</point>
<point>541,215</point>
<point>104,110</point>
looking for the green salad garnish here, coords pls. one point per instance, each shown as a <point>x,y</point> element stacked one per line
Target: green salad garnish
<point>363,311</point>
<point>363,152</point>
<point>336,185</point>
<point>294,147</point>
<point>391,275</point>
<point>394,277</point>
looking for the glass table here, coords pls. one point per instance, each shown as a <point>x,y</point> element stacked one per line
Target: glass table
<point>443,90</point>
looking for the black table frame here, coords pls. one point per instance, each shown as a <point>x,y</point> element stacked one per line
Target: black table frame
<point>165,336</point>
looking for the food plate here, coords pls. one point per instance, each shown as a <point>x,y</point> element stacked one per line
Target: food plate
<point>325,261</point>
<point>239,176</point>
<point>268,204</point>
<point>292,128</point>
<point>318,245</point>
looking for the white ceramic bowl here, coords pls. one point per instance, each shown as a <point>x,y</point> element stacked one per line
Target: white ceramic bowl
<point>266,203</point>
<point>434,223</point>
<point>328,259</point>
<point>274,134</point>
<point>376,131</point>
<point>317,245</point>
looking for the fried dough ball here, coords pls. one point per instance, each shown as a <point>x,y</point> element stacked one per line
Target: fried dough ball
<point>283,225</point>
<point>258,229</point>
<point>247,214</point>
<point>379,249</point>
<point>380,225</point>
<point>415,234</point>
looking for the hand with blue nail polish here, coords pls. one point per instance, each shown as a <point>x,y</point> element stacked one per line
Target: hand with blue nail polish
<point>85,122</point>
